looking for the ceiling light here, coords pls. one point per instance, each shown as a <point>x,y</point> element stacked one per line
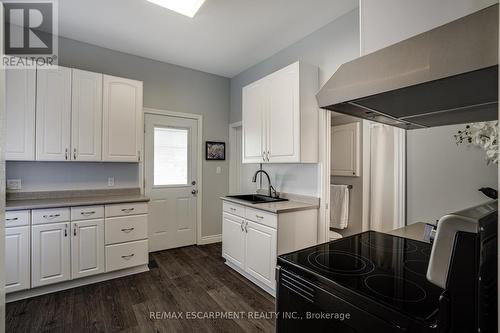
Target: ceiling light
<point>184,7</point>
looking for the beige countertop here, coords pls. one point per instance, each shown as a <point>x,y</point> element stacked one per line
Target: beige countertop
<point>413,231</point>
<point>40,200</point>
<point>276,207</point>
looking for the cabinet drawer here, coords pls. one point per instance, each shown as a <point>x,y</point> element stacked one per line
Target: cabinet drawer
<point>233,209</point>
<point>125,229</point>
<point>134,208</point>
<point>17,218</point>
<point>259,216</point>
<point>126,255</point>
<point>87,213</point>
<point>51,215</point>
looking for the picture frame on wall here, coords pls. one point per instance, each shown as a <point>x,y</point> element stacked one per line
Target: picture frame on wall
<point>215,151</point>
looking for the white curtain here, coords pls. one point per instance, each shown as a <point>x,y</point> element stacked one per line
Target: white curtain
<point>387,177</point>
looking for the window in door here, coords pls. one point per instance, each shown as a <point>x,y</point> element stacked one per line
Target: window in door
<point>171,156</point>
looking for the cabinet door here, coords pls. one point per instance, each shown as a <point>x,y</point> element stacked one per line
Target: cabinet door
<point>87,248</point>
<point>20,114</point>
<point>86,116</point>
<point>122,119</point>
<point>260,252</point>
<point>283,144</point>
<point>233,239</point>
<point>53,114</point>
<point>253,122</point>
<point>50,253</point>
<point>17,258</point>
<point>345,150</point>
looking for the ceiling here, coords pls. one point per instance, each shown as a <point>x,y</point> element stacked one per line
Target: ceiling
<point>225,37</point>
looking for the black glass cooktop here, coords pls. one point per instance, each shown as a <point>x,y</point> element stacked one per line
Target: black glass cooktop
<point>388,269</point>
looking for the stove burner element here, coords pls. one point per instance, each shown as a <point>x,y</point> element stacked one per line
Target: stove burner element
<point>418,267</point>
<point>340,262</point>
<point>395,288</point>
<point>388,244</point>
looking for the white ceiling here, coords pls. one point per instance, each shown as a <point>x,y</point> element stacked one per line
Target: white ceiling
<point>225,37</point>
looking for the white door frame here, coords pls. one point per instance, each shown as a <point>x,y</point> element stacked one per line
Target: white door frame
<point>199,167</point>
<point>232,139</point>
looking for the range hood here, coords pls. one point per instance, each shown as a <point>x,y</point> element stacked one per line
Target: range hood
<point>448,75</point>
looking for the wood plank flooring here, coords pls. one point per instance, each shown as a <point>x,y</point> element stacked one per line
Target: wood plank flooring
<point>188,279</point>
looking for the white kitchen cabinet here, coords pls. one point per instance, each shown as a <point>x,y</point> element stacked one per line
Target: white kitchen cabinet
<point>50,253</point>
<point>122,119</point>
<point>87,248</point>
<point>233,239</point>
<point>17,258</point>
<point>86,116</point>
<point>345,150</point>
<point>20,85</point>
<point>53,114</point>
<point>260,252</point>
<point>280,117</point>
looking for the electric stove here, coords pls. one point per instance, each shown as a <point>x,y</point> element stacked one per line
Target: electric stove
<point>379,279</point>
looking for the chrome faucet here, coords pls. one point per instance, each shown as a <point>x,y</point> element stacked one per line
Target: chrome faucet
<point>272,191</point>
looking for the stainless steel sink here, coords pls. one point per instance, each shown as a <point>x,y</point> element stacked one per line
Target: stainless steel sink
<point>256,198</point>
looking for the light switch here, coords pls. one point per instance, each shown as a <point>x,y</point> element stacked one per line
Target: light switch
<point>218,170</point>
<point>14,184</point>
<point>111,181</point>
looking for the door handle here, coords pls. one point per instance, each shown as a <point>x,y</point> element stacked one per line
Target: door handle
<point>65,230</point>
<point>264,156</point>
<point>194,192</point>
<point>74,230</point>
<point>74,153</point>
<point>241,225</point>
<point>246,227</point>
<point>268,155</point>
<point>66,154</point>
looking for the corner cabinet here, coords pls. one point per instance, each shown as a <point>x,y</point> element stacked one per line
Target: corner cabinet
<point>122,119</point>
<point>280,117</point>
<point>345,150</point>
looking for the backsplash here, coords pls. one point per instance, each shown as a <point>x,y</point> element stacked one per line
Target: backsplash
<point>60,176</point>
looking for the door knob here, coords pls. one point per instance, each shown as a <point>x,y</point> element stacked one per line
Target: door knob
<point>194,192</point>
<point>193,182</point>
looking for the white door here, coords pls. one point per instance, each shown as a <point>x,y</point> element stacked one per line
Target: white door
<point>254,109</point>
<point>345,150</point>
<point>53,114</point>
<point>86,116</point>
<point>260,252</point>
<point>171,164</point>
<point>17,258</point>
<point>20,114</point>
<point>283,130</point>
<point>50,253</point>
<point>233,239</point>
<point>87,248</point>
<point>122,119</point>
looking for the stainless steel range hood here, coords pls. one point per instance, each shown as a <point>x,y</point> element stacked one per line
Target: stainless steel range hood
<point>448,75</point>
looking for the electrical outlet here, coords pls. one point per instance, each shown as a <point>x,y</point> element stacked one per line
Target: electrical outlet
<point>111,181</point>
<point>14,184</point>
<point>218,170</point>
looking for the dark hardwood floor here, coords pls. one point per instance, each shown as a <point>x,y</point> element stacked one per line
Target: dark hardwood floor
<point>189,279</point>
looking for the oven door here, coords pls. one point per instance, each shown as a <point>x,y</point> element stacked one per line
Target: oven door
<point>302,307</point>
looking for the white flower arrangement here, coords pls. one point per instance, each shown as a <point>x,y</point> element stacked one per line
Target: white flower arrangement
<point>483,135</point>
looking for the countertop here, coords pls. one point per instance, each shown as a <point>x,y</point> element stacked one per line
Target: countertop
<point>276,207</point>
<point>74,200</point>
<point>413,231</point>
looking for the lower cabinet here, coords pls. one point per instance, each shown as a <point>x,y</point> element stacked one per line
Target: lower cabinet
<point>17,258</point>
<point>233,239</point>
<point>87,248</point>
<point>260,252</point>
<point>125,255</point>
<point>50,254</point>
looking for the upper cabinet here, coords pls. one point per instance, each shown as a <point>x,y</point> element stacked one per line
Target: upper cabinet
<point>345,154</point>
<point>122,119</point>
<point>86,116</point>
<point>76,115</point>
<point>280,117</point>
<point>20,114</point>
<point>53,114</point>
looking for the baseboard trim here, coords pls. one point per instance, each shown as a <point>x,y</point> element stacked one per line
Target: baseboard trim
<point>210,239</point>
<point>23,294</point>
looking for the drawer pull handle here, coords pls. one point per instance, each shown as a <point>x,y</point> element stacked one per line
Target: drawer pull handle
<point>233,209</point>
<point>128,230</point>
<point>12,219</point>
<point>51,216</point>
<point>127,210</point>
<point>128,257</point>
<point>87,213</point>
<point>259,217</point>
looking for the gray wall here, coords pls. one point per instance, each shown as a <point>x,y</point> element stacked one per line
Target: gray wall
<point>327,48</point>
<point>443,177</point>
<point>167,87</point>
